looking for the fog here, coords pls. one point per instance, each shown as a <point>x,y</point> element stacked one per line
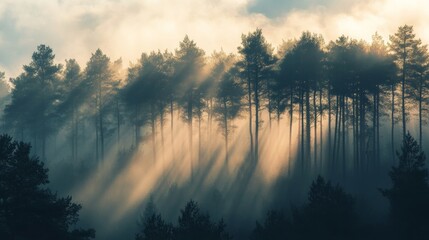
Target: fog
<point>238,105</point>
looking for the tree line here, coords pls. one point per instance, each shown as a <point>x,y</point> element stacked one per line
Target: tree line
<point>336,95</point>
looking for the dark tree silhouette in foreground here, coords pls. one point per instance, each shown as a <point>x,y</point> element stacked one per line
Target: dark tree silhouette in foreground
<point>329,213</point>
<point>275,227</point>
<point>192,225</point>
<point>153,227</point>
<point>28,210</point>
<point>409,195</point>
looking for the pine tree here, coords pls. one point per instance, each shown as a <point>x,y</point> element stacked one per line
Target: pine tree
<point>29,210</point>
<point>409,194</point>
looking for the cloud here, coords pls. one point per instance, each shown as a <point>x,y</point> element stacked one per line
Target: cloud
<point>361,20</point>
<point>125,28</point>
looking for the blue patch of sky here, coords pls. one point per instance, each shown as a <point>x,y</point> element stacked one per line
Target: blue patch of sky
<point>278,8</point>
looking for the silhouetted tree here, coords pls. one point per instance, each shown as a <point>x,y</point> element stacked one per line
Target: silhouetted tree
<point>403,44</point>
<point>188,67</point>
<point>255,64</point>
<point>153,79</point>
<point>72,99</point>
<point>228,103</point>
<point>134,99</point>
<point>418,89</point>
<point>29,210</point>
<point>285,89</point>
<point>153,227</point>
<point>166,91</point>
<point>99,76</point>
<point>383,74</point>
<point>303,65</point>
<point>275,227</point>
<point>409,195</point>
<point>194,225</point>
<point>343,80</point>
<point>376,69</point>
<point>4,99</point>
<point>329,213</point>
<point>116,102</point>
<point>220,64</point>
<point>35,97</point>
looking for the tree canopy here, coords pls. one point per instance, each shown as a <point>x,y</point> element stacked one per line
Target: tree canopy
<point>29,210</point>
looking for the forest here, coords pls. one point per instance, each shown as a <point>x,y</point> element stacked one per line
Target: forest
<point>306,140</point>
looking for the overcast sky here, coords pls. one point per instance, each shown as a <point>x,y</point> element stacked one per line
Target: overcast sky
<point>126,28</point>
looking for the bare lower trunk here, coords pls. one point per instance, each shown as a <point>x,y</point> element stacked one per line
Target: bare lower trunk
<point>199,139</point>
<point>97,148</point>
<point>161,122</point>
<point>344,136</point>
<point>172,126</point>
<point>225,123</point>
<point>362,117</point>
<point>301,105</point>
<point>420,114</point>
<point>308,129</point>
<point>153,126</point>
<point>321,130</point>
<point>290,133</point>
<point>256,93</point>
<point>249,95</point>
<point>404,118</point>
<point>315,129</point>
<point>329,127</point>
<point>335,137</point>
<point>392,134</point>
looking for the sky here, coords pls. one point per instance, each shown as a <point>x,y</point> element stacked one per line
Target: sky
<point>126,28</point>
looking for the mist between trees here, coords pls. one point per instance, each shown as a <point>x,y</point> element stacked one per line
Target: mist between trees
<point>239,121</point>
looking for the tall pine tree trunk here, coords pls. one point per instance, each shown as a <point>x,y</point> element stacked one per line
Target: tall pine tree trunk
<point>308,129</point>
<point>100,122</point>
<point>249,96</point>
<point>315,129</point>
<point>362,131</point>
<point>404,119</point>
<point>374,130</point>
<point>392,134</point>
<point>301,106</point>
<point>225,123</point>
<point>344,135</point>
<point>420,112</point>
<point>161,123</point>
<point>329,126</point>
<point>172,126</point>
<point>334,157</point>
<point>153,126</point>
<point>118,123</point>
<point>378,129</point>
<point>256,93</point>
<point>97,147</point>
<point>290,132</point>
<point>190,118</point>
<point>321,130</point>
<point>199,138</point>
